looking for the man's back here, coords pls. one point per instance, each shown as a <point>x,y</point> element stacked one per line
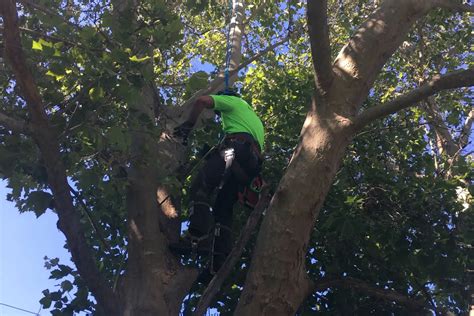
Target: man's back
<point>238,117</point>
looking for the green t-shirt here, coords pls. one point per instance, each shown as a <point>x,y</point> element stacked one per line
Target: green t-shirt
<point>238,117</point>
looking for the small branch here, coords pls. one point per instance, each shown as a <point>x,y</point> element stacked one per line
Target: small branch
<point>353,283</point>
<point>14,124</point>
<point>444,139</point>
<point>46,11</point>
<point>95,227</point>
<point>455,79</point>
<point>466,130</point>
<point>45,36</point>
<point>216,282</point>
<point>56,39</point>
<point>320,45</point>
<point>428,297</point>
<point>217,82</point>
<point>453,5</point>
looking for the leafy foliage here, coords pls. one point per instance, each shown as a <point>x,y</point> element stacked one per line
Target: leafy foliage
<point>391,218</point>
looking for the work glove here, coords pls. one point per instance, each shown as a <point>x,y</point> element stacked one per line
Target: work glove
<point>183,130</point>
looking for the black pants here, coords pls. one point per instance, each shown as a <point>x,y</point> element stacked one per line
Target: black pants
<point>209,179</point>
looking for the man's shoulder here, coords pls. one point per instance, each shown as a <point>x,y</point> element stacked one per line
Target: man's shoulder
<point>227,100</point>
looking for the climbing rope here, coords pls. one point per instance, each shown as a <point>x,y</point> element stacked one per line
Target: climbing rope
<point>229,49</point>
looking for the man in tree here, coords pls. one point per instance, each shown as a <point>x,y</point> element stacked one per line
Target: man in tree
<point>235,163</point>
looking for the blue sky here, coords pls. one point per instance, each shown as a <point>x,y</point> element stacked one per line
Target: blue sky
<point>24,241</point>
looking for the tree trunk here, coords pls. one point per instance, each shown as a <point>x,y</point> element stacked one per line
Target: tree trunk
<point>155,283</point>
<point>277,282</point>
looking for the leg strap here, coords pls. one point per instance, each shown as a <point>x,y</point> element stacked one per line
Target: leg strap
<point>218,230</point>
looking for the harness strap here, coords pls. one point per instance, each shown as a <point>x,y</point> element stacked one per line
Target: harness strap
<point>246,138</point>
<point>199,203</point>
<point>228,155</point>
<point>217,232</point>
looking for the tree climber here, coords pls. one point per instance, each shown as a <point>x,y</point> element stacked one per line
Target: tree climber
<point>235,164</point>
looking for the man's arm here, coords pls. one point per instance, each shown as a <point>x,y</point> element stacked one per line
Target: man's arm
<point>199,105</point>
<point>185,128</point>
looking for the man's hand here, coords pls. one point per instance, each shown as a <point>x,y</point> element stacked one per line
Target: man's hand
<point>182,131</point>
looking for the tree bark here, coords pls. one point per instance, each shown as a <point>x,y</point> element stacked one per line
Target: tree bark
<point>277,281</point>
<point>444,140</point>
<point>154,282</point>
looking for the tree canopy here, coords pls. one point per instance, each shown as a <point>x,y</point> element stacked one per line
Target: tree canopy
<point>368,112</point>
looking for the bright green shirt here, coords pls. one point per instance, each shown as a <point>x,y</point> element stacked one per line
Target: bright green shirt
<point>238,117</point>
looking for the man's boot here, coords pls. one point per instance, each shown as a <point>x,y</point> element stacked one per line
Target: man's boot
<point>197,239</point>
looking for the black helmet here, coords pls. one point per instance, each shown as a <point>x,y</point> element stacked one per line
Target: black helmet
<point>229,91</point>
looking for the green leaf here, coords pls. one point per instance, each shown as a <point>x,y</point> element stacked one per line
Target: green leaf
<point>36,45</point>
<point>66,285</point>
<point>117,137</point>
<point>134,58</point>
<point>96,93</point>
<point>46,302</point>
<point>39,201</point>
<point>197,81</point>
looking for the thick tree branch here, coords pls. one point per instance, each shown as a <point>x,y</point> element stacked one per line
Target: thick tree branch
<point>362,58</point>
<point>360,285</point>
<point>320,46</point>
<point>456,79</point>
<point>14,124</point>
<point>216,282</point>
<point>46,139</point>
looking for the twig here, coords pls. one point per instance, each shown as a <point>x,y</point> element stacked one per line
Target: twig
<point>47,11</point>
<point>216,282</point>
<point>104,243</point>
<point>14,124</point>
<point>363,286</point>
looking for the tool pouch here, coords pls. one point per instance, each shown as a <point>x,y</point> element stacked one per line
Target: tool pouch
<point>249,195</point>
